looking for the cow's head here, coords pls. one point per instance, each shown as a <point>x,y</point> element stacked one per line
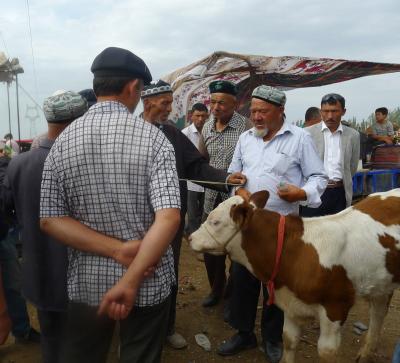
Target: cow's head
<point>221,233</point>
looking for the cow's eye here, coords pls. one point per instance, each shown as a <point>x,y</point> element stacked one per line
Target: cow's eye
<point>215,223</point>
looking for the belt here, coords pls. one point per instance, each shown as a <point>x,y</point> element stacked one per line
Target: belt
<point>335,184</point>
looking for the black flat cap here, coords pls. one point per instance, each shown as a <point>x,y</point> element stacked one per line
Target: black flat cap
<point>223,87</point>
<point>118,62</point>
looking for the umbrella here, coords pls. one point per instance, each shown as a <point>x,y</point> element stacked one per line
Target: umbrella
<point>190,83</point>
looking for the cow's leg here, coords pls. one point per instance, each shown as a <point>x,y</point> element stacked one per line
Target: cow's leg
<point>291,336</point>
<point>329,338</point>
<point>377,311</point>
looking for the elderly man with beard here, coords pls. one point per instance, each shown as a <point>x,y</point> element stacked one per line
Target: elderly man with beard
<point>281,158</point>
<point>190,164</point>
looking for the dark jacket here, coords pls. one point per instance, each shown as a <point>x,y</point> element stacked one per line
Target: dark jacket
<point>190,164</point>
<point>5,205</point>
<point>44,260</point>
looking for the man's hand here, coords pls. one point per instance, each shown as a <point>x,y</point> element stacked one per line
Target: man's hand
<point>244,193</point>
<point>237,178</point>
<point>118,302</point>
<point>388,140</point>
<point>5,326</point>
<point>291,193</point>
<point>127,252</point>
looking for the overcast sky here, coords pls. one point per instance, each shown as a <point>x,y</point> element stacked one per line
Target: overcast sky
<point>169,34</point>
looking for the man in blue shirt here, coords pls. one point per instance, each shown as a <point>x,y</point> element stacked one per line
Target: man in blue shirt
<point>281,158</point>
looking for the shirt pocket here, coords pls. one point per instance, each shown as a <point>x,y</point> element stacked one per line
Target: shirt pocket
<point>280,164</point>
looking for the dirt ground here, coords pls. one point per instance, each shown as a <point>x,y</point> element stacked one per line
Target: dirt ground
<point>193,319</point>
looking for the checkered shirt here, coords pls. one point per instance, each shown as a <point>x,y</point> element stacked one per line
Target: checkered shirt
<point>111,172</point>
<point>220,147</point>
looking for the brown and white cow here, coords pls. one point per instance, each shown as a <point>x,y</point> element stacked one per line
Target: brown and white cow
<point>325,263</point>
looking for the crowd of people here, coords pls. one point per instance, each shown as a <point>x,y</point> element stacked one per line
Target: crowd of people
<point>100,201</point>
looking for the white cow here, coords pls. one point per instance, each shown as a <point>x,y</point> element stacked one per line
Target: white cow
<point>325,263</point>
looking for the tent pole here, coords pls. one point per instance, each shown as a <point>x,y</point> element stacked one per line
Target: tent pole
<point>9,110</point>
<point>19,126</point>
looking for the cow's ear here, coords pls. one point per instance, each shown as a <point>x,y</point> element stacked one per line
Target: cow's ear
<point>259,199</point>
<point>241,214</point>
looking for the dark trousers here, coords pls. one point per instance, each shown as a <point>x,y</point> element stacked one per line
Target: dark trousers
<point>176,248</point>
<point>88,336</point>
<point>215,266</point>
<point>52,325</point>
<point>333,201</point>
<point>194,211</point>
<point>11,277</point>
<point>243,306</point>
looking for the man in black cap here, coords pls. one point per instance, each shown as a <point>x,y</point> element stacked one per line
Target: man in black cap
<point>44,265</point>
<point>110,192</point>
<point>157,100</point>
<point>220,135</point>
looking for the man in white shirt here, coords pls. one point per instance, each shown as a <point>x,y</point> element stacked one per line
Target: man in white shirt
<point>199,115</point>
<point>339,147</point>
<point>281,158</point>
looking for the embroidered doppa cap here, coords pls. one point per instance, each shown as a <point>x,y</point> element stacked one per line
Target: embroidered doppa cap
<point>270,94</point>
<point>223,87</point>
<point>119,62</point>
<point>64,106</point>
<point>157,88</point>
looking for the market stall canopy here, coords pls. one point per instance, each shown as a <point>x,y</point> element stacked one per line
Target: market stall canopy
<point>190,83</point>
<point>9,68</point>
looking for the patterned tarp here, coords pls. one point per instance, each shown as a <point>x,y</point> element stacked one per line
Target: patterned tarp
<point>190,83</point>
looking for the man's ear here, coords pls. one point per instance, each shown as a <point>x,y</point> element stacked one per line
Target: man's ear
<point>134,86</point>
<point>241,214</point>
<point>259,199</point>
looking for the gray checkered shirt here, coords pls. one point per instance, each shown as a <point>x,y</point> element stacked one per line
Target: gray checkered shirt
<point>111,172</point>
<point>220,147</point>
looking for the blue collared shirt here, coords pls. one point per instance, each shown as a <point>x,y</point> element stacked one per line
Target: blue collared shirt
<point>289,157</point>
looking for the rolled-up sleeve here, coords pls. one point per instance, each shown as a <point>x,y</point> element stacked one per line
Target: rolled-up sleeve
<point>313,171</point>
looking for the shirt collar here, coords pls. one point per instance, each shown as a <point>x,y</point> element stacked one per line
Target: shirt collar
<point>193,129</point>
<point>108,107</point>
<point>324,127</point>
<point>235,121</point>
<point>46,143</point>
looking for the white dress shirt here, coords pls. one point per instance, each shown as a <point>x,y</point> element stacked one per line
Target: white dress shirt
<point>194,136</point>
<point>332,159</point>
<point>289,157</point>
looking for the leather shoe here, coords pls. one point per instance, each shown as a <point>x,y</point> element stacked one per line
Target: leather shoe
<point>210,300</point>
<point>237,343</point>
<point>273,351</point>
